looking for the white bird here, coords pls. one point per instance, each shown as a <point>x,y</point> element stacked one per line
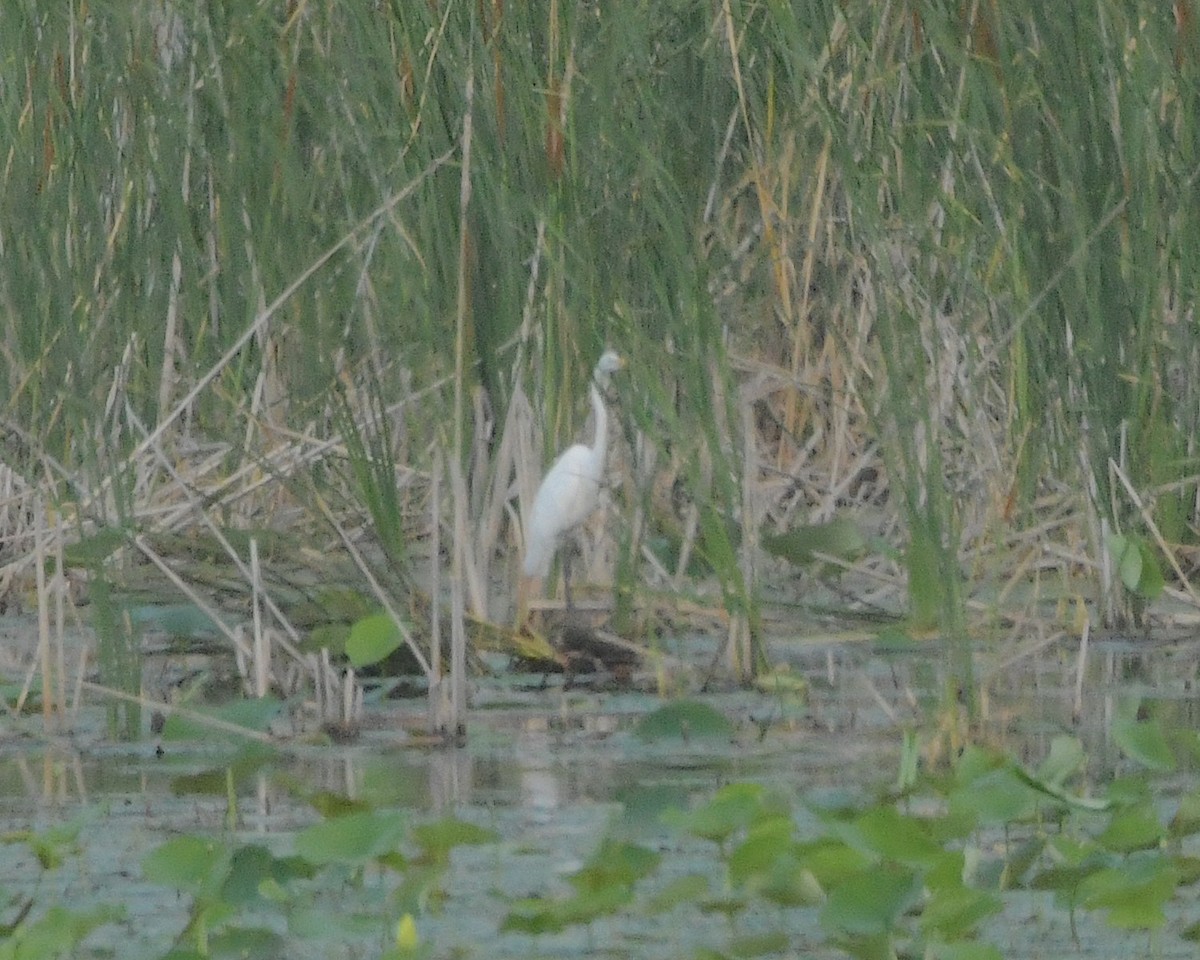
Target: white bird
<point>569,491</point>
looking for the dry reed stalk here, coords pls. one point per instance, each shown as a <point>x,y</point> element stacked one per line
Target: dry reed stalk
<point>492,511</point>
<point>49,710</point>
<point>454,723</point>
<point>60,595</point>
<point>435,572</point>
<point>352,698</point>
<point>376,589</point>
<point>471,557</point>
<point>171,708</point>
<point>262,639</point>
<point>1081,667</point>
<point>183,587</point>
<point>458,665</point>
<point>1148,520</point>
<point>691,521</point>
<point>801,340</point>
<point>173,345</point>
<point>290,645</point>
<point>749,547</point>
<point>526,457</point>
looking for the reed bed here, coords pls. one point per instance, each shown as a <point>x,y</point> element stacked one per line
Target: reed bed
<point>341,271</point>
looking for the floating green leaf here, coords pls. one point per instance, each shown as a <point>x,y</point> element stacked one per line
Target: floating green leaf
<point>953,913</point>
<point>870,903</point>
<point>254,715</point>
<point>193,864</point>
<point>690,888</point>
<point>1187,816</point>
<point>1143,741</point>
<point>57,933</point>
<point>764,844</point>
<point>373,639</point>
<point>684,720</point>
<point>1065,760</point>
<point>886,832</point>
<point>732,808</point>
<point>1133,893</point>
<point>438,838</point>
<point>998,796</point>
<point>615,863</point>
<point>254,868</point>
<point>353,839</point>
<point>1132,828</point>
<point>832,862</point>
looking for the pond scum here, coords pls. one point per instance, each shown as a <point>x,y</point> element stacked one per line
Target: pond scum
<point>300,300</point>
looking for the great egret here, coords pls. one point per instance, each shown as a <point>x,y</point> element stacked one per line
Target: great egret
<point>569,492</point>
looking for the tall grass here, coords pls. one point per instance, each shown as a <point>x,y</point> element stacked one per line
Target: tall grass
<point>962,235</point>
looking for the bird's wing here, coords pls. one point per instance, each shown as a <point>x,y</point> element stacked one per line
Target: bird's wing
<point>568,493</point>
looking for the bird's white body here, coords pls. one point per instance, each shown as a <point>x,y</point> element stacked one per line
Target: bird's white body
<point>571,488</point>
<point>568,495</point>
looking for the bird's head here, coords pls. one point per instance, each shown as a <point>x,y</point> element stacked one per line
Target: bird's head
<point>610,362</point>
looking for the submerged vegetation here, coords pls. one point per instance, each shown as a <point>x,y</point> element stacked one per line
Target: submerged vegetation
<point>301,298</point>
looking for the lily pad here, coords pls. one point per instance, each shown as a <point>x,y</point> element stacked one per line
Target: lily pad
<point>684,720</point>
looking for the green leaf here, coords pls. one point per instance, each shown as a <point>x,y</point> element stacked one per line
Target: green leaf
<point>832,862</point>
<point>254,865</point>
<point>769,863</point>
<point>533,915</point>
<point>1143,741</point>
<point>1056,793</point>
<point>1137,565</point>
<point>353,839</point>
<point>247,942</point>
<point>438,838</point>
<point>999,796</point>
<point>615,863</point>
<point>1188,868</point>
<point>839,537</point>
<point>551,916</point>
<point>732,808</point>
<point>870,903</point>
<point>893,836</point>
<point>1134,893</point>
<point>193,864</point>
<point>764,844</point>
<point>254,715</point>
<point>690,888</point>
<point>952,914</point>
<point>57,932</point>
<point>373,639</point>
<point>1132,828</point>
<point>1065,759</point>
<point>684,720</point>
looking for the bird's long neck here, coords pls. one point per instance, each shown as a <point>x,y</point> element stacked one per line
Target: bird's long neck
<point>600,444</point>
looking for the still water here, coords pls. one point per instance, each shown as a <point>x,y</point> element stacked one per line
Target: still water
<point>551,771</point>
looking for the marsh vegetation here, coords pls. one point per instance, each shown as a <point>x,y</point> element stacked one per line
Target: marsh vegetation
<point>301,299</point>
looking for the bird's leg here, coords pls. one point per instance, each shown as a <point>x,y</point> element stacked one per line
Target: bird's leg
<point>568,551</point>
